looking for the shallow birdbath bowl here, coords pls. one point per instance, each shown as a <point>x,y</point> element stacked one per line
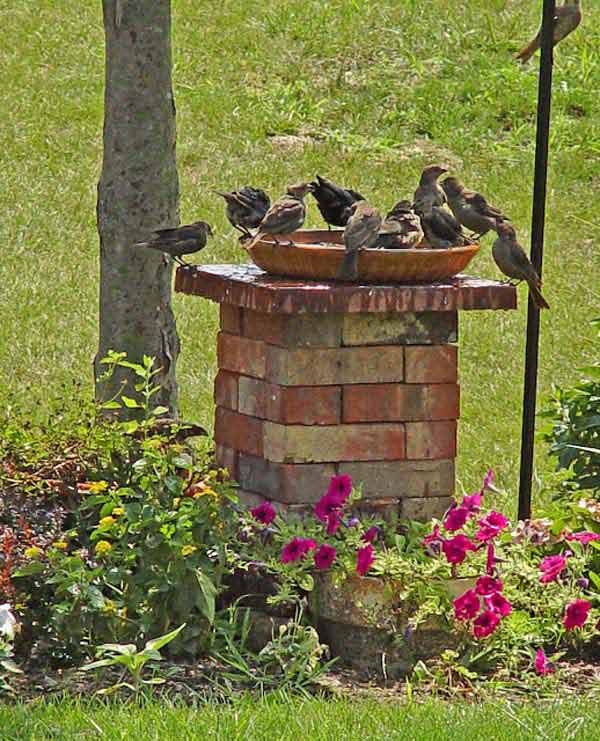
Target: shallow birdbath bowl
<point>317,254</point>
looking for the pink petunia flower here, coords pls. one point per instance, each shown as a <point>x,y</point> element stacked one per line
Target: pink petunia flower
<point>455,549</point>
<point>340,486</point>
<point>433,537</point>
<point>542,665</point>
<point>488,585</point>
<point>456,518</point>
<point>485,624</point>
<point>364,559</point>
<point>576,613</point>
<point>264,512</point>
<point>491,559</point>
<point>488,480</point>
<point>333,522</point>
<point>324,556</point>
<point>551,567</point>
<point>498,603</point>
<point>491,525</point>
<point>370,535</point>
<point>585,537</point>
<point>328,504</point>
<point>472,502</point>
<point>296,548</point>
<point>466,606</point>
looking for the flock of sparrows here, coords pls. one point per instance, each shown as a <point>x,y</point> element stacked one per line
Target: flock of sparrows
<point>433,219</point>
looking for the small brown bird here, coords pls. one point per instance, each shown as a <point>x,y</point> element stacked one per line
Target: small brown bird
<point>334,201</point>
<point>471,208</point>
<point>179,241</point>
<point>401,229</point>
<point>566,19</point>
<point>429,192</point>
<point>245,208</point>
<point>360,234</point>
<point>287,214</point>
<point>510,257</point>
<point>442,230</point>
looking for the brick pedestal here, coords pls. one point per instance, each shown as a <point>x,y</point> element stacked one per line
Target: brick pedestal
<point>319,378</point>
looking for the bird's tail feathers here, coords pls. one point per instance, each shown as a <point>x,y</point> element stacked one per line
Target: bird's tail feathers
<point>349,267</point>
<point>536,295</point>
<point>528,50</point>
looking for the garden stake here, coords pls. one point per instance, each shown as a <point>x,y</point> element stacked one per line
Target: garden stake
<point>537,247</point>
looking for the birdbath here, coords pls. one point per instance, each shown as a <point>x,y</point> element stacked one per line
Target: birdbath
<point>317,378</point>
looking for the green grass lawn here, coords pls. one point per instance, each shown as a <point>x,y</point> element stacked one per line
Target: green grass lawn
<point>372,91</point>
<point>312,719</point>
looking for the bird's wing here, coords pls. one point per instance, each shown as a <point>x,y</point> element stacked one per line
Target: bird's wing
<point>444,224</point>
<point>361,231</point>
<point>520,259</point>
<point>355,195</point>
<point>281,210</point>
<point>483,207</point>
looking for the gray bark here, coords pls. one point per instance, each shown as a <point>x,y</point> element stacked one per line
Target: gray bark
<point>138,192</point>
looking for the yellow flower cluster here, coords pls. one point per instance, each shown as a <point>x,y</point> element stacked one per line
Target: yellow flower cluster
<point>62,545</point>
<point>118,511</point>
<point>103,547</point>
<point>107,521</point>
<point>187,550</point>
<point>97,487</point>
<point>33,552</point>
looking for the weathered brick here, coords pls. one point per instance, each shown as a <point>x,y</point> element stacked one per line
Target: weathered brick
<point>424,509</point>
<point>431,364</point>
<point>238,431</point>
<point>298,444</point>
<point>409,328</point>
<point>227,458</point>
<point>241,355</point>
<point>402,479</point>
<point>287,482</point>
<point>400,402</point>
<point>231,318</point>
<point>388,508</point>
<point>299,330</point>
<point>331,366</point>
<point>314,405</point>
<point>430,440</point>
<point>226,390</point>
<point>250,499</point>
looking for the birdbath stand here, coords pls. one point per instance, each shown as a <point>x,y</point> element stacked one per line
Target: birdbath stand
<point>318,378</point>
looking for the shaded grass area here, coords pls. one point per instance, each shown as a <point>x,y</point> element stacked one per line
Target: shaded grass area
<point>369,93</point>
<point>314,719</point>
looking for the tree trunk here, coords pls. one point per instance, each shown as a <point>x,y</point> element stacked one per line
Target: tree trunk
<point>137,193</point>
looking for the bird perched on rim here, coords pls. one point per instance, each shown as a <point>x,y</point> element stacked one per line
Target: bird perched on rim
<point>287,214</point>
<point>566,19</point>
<point>334,201</point>
<point>401,229</point>
<point>360,233</point>
<point>441,229</point>
<point>471,208</point>
<point>512,260</point>
<point>429,192</point>
<point>245,208</point>
<point>180,240</point>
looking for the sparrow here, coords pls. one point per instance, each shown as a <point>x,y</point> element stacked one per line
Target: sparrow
<point>471,208</point>
<point>566,19</point>
<point>179,241</point>
<point>334,201</point>
<point>429,193</point>
<point>361,233</point>
<point>245,208</point>
<point>441,229</point>
<point>287,214</point>
<point>401,229</point>
<point>510,257</point>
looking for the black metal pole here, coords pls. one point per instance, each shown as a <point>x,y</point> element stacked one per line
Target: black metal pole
<point>537,249</point>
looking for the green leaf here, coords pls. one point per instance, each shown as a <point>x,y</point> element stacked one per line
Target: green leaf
<point>130,427</point>
<point>307,582</point>
<point>111,405</point>
<point>30,569</point>
<point>207,597</point>
<point>129,402</point>
<point>127,649</point>
<point>10,666</point>
<point>157,411</point>
<point>595,579</point>
<point>158,643</point>
<point>97,664</point>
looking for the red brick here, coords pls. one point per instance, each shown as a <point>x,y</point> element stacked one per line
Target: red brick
<point>406,328</point>
<point>226,390</point>
<point>250,499</point>
<point>424,509</point>
<point>238,431</point>
<point>241,355</point>
<point>387,508</point>
<point>334,366</point>
<point>227,458</point>
<point>287,482</point>
<point>300,330</point>
<point>231,319</point>
<point>402,479</point>
<point>431,364</point>
<point>298,444</point>
<point>400,402</point>
<point>430,440</point>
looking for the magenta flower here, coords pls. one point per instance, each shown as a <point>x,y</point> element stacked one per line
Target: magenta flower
<point>542,665</point>
<point>576,613</point>
<point>585,537</point>
<point>340,486</point>
<point>472,502</point>
<point>364,559</point>
<point>333,522</point>
<point>487,585</point>
<point>485,624</point>
<point>455,549</point>
<point>296,548</point>
<point>324,556</point>
<point>328,504</point>
<point>456,518</point>
<point>491,559</point>
<point>466,606</point>
<point>433,537</point>
<point>551,566</point>
<point>370,535</point>
<point>498,603</point>
<point>488,479</point>
<point>264,512</point>
<point>491,525</point>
